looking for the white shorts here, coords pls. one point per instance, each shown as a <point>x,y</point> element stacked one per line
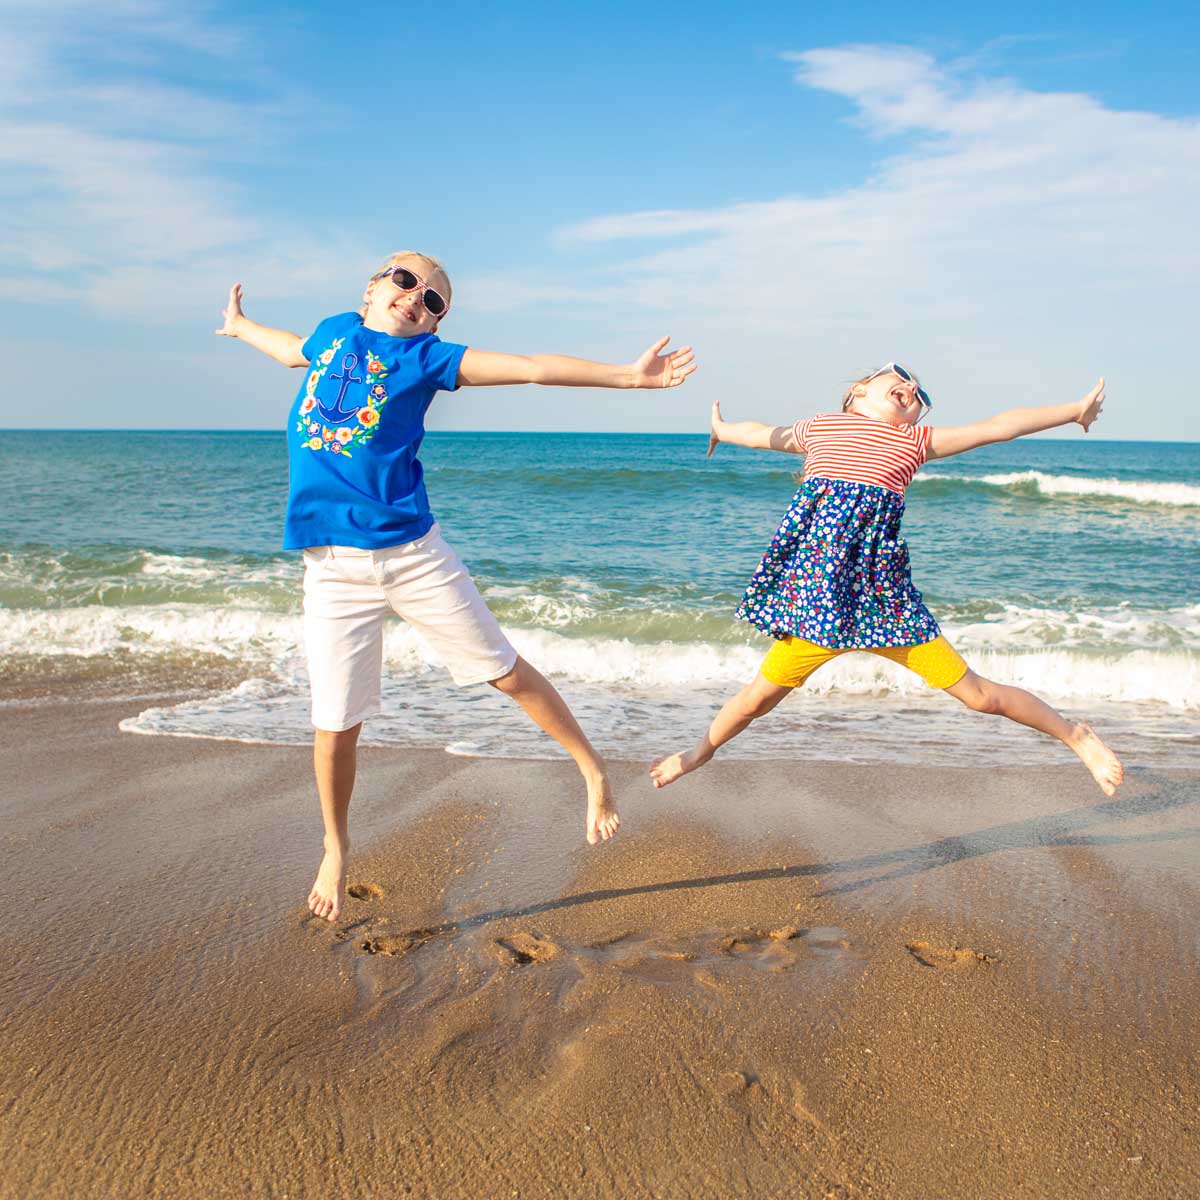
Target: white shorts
<point>348,594</point>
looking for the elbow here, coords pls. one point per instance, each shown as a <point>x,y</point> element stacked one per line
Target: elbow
<point>532,370</point>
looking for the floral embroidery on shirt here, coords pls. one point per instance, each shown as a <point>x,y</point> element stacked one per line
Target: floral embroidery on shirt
<point>357,428</point>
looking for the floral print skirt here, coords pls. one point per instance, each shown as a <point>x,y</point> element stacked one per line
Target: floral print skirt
<point>837,572</point>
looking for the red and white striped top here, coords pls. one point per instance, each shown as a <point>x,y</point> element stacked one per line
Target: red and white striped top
<point>861,449</point>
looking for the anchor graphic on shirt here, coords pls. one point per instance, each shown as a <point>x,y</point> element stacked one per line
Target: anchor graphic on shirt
<point>335,413</point>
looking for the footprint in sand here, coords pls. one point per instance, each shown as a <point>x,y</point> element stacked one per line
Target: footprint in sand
<point>767,949</point>
<point>732,1084</point>
<point>365,891</point>
<point>929,955</point>
<point>521,949</point>
<point>633,950</point>
<point>393,945</point>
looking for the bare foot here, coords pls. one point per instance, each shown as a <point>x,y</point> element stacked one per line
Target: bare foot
<point>1104,765</point>
<point>667,770</point>
<point>329,891</point>
<point>603,819</point>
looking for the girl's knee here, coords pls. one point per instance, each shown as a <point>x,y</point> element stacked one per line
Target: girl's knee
<point>755,701</point>
<point>512,682</point>
<point>337,739</point>
<point>976,693</point>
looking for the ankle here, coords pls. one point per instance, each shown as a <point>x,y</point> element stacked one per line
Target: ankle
<point>1077,733</point>
<point>337,847</point>
<point>593,770</point>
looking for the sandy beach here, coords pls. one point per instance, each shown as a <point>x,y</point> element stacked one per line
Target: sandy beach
<point>780,980</point>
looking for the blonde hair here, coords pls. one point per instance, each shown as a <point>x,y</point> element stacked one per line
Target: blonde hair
<point>848,398</point>
<point>433,264</point>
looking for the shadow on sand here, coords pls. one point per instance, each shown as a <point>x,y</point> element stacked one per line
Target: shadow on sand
<point>1054,830</point>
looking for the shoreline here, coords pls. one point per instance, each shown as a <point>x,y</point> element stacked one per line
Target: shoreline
<point>920,729</point>
<point>779,979</point>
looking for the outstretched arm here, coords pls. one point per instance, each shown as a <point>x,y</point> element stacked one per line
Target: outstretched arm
<point>279,344</point>
<point>1017,422</point>
<point>753,434</point>
<point>654,369</point>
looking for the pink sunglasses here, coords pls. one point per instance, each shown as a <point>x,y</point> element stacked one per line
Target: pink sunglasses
<point>409,281</point>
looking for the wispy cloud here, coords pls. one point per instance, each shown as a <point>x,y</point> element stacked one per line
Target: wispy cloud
<point>118,184</point>
<point>1032,226</point>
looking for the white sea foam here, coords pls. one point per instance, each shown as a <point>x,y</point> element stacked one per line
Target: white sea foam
<point>1027,627</point>
<point>1118,654</point>
<point>910,724</point>
<point>178,566</point>
<point>1175,495</point>
<point>93,630</point>
<point>1143,676</point>
<point>575,603</point>
<point>235,571</point>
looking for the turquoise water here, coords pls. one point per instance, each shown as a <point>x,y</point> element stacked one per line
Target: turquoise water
<point>615,562</point>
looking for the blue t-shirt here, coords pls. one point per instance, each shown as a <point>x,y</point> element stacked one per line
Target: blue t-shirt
<point>354,432</point>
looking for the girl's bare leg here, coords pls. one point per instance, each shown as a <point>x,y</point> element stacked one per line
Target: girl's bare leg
<point>753,701</point>
<point>984,695</point>
<point>335,758</point>
<point>549,711</point>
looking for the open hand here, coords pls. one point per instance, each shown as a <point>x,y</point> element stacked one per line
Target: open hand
<point>1090,405</point>
<point>714,437</point>
<point>232,312</point>
<point>655,369</point>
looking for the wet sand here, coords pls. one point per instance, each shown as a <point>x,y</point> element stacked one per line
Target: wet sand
<point>778,981</point>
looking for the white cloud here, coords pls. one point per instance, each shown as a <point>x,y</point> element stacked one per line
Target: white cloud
<point>120,189</point>
<point>1045,231</point>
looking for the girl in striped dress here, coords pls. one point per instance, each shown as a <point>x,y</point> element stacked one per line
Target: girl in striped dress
<point>836,575</point>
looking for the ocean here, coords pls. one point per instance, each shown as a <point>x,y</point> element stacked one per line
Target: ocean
<point>614,562</point>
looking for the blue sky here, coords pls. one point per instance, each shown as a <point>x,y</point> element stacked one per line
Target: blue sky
<point>1002,198</point>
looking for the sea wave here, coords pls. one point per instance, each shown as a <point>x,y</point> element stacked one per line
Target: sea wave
<point>246,634</point>
<point>1160,669</point>
<point>1140,676</point>
<point>1039,483</point>
<point>123,576</point>
<point>579,616</point>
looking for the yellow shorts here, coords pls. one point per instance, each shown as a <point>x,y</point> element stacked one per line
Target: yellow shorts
<point>792,660</point>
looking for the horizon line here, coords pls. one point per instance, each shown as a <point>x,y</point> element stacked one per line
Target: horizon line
<point>525,433</point>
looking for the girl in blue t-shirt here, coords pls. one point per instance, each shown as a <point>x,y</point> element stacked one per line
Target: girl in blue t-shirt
<point>357,508</point>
